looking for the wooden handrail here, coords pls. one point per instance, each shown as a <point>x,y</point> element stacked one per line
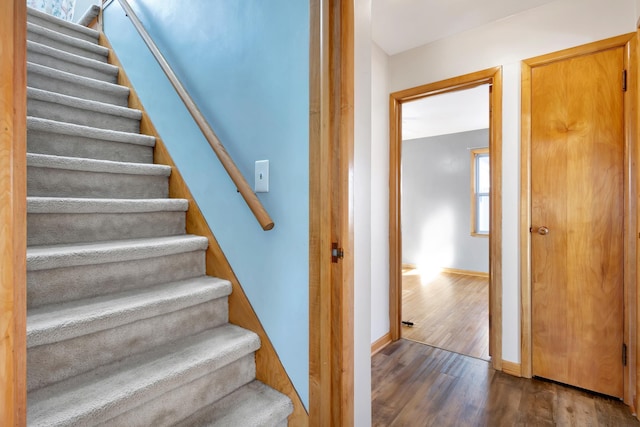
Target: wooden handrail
<point>232,170</point>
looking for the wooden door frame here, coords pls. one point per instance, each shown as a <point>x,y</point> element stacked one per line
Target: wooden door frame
<point>628,42</point>
<point>492,76</point>
<point>13,200</point>
<point>331,285</point>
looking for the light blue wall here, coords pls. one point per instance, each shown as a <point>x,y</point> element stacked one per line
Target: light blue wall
<point>436,203</point>
<point>246,66</point>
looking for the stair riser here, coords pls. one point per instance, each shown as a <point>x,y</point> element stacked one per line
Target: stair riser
<point>48,182</point>
<point>40,81</point>
<point>79,116</point>
<point>253,405</point>
<point>41,142</point>
<point>64,30</point>
<point>74,283</point>
<point>42,39</point>
<point>70,67</point>
<point>177,404</point>
<point>50,229</point>
<point>55,362</point>
<point>280,423</point>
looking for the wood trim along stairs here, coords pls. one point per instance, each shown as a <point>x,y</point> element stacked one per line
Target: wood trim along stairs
<point>269,368</point>
<point>13,218</point>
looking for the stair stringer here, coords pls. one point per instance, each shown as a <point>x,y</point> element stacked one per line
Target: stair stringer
<point>269,368</point>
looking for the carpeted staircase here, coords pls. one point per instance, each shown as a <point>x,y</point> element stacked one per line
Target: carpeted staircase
<point>124,328</point>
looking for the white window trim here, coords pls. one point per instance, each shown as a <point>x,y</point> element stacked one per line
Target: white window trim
<point>475,153</point>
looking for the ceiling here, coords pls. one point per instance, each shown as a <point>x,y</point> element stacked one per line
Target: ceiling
<point>400,25</point>
<point>450,112</point>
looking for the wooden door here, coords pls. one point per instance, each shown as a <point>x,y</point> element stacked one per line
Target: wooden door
<point>577,218</point>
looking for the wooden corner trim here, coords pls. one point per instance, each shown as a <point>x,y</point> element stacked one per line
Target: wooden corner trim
<point>511,368</point>
<point>13,218</point>
<point>269,368</point>
<point>381,343</point>
<point>331,285</point>
<point>395,237</point>
<point>525,219</point>
<point>586,49</point>
<point>466,81</point>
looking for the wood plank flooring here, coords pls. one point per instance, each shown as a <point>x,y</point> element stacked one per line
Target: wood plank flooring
<point>451,312</point>
<point>418,385</point>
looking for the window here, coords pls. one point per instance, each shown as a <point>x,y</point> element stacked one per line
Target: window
<point>480,186</point>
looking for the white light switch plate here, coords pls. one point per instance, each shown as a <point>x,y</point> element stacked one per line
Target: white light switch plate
<point>262,176</point>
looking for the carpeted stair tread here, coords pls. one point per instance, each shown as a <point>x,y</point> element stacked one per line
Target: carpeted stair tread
<point>89,15</point>
<point>60,25</point>
<point>66,43</point>
<point>98,396</point>
<point>59,176</point>
<point>43,205</point>
<point>253,405</point>
<point>85,104</point>
<point>92,165</point>
<point>58,285</point>
<point>60,322</point>
<point>56,81</point>
<point>59,361</point>
<point>70,109</point>
<point>57,256</point>
<point>94,222</point>
<point>70,140</point>
<point>72,129</point>
<point>178,404</point>
<point>70,62</point>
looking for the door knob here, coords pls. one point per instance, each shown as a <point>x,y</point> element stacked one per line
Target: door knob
<point>543,231</point>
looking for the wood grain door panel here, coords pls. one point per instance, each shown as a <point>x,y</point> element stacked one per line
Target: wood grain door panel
<point>577,192</point>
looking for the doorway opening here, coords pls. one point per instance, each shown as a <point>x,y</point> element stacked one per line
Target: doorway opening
<point>399,105</point>
<point>445,178</point>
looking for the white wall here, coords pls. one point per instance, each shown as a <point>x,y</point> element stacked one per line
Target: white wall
<point>379,193</point>
<point>551,27</point>
<point>436,203</point>
<point>362,214</point>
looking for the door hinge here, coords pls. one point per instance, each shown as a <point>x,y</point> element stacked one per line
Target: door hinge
<point>336,252</point>
<point>624,80</point>
<point>624,355</point>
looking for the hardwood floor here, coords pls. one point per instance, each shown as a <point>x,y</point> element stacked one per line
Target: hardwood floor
<point>418,385</point>
<point>450,312</point>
